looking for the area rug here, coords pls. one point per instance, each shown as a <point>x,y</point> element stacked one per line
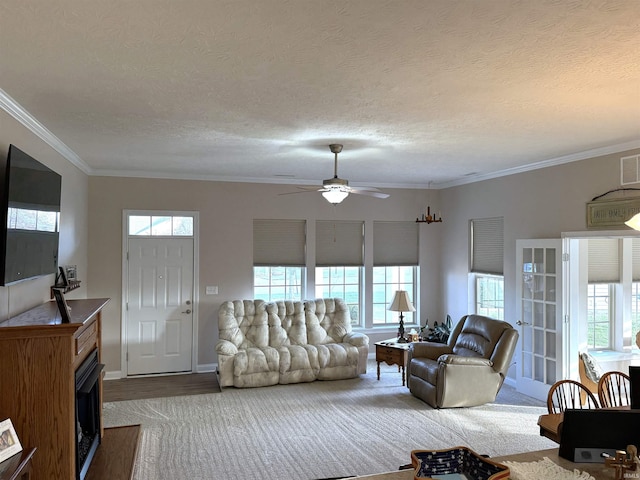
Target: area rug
<point>315,430</point>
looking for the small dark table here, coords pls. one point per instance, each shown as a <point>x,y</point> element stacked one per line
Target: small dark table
<point>392,353</point>
<point>17,467</point>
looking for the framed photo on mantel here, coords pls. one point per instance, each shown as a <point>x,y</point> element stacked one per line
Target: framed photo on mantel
<point>65,311</point>
<point>9,443</point>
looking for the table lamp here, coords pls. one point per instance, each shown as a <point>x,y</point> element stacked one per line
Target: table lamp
<point>401,303</point>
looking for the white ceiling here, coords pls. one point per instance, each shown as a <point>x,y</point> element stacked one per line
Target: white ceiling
<point>418,91</point>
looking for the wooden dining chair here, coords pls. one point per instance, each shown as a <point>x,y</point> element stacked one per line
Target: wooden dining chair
<point>566,394</point>
<point>614,390</point>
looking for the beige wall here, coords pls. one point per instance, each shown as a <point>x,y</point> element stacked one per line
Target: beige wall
<point>73,219</point>
<point>538,204</point>
<point>226,213</point>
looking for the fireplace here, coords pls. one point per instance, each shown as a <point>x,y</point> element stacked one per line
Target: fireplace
<point>87,412</point>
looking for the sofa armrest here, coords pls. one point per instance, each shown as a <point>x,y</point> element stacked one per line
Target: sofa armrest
<point>356,339</point>
<point>225,347</point>
<point>463,360</point>
<point>431,350</point>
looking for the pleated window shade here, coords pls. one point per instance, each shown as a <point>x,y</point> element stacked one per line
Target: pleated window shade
<point>395,244</point>
<point>279,242</point>
<point>339,243</point>
<point>635,247</point>
<point>604,260</point>
<point>487,245</point>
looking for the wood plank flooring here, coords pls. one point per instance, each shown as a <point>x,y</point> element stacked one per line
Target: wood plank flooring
<point>116,455</point>
<point>159,386</point>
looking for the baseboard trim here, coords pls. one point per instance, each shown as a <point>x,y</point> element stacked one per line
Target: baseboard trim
<point>204,368</point>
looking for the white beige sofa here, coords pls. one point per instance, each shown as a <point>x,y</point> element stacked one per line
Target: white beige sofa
<point>266,343</point>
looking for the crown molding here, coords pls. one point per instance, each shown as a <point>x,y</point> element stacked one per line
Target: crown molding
<point>13,108</point>
<point>574,157</point>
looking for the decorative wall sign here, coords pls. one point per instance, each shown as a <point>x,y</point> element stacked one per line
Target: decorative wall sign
<point>9,443</point>
<point>611,213</point>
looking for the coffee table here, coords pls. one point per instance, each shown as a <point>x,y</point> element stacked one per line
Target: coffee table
<point>598,470</point>
<point>392,353</point>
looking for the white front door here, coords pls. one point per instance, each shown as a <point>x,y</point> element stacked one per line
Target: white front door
<point>159,305</point>
<point>539,313</point>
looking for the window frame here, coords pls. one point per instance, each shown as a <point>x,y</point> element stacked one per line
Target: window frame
<point>476,278</point>
<point>392,318</point>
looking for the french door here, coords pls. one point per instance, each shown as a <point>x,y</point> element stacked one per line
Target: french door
<point>539,309</point>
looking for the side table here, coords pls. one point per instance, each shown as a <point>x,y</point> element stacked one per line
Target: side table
<point>392,353</point>
<point>17,467</point>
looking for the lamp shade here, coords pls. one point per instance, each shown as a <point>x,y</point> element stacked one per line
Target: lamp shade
<point>335,195</point>
<point>634,222</point>
<point>401,302</point>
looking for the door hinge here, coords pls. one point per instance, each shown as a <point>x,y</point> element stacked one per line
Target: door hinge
<point>566,319</point>
<point>127,354</point>
<point>565,257</point>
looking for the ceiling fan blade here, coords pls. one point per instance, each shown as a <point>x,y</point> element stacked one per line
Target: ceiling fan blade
<point>304,190</point>
<point>371,192</point>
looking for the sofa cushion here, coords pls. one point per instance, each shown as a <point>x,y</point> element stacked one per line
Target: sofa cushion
<point>256,367</point>
<point>327,321</point>
<point>298,363</point>
<point>337,361</point>
<point>291,328</point>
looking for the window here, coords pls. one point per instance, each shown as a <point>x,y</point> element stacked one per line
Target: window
<point>339,263</point>
<point>386,280</point>
<point>490,296</point>
<point>279,259</point>
<point>165,226</point>
<point>635,313</point>
<point>487,257</point>
<point>278,283</point>
<point>395,261</point>
<point>599,315</point>
<point>341,282</point>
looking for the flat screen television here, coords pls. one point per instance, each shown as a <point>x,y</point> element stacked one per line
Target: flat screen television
<point>29,218</point>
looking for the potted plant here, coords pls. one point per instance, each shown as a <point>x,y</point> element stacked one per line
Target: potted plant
<point>439,333</point>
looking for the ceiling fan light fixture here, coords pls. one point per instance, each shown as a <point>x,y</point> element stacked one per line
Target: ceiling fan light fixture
<point>335,195</point>
<point>634,222</point>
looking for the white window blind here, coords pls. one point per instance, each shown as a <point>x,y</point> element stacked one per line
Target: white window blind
<point>279,242</point>
<point>604,260</point>
<point>635,248</point>
<point>487,245</point>
<point>339,243</point>
<point>395,244</point>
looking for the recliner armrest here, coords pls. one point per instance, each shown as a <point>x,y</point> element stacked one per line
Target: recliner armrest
<point>464,360</point>
<point>357,339</point>
<point>429,350</point>
<point>225,347</point>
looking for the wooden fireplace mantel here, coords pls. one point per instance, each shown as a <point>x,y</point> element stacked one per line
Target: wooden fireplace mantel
<point>38,359</point>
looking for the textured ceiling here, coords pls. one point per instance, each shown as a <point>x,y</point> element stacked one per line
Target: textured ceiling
<point>419,92</point>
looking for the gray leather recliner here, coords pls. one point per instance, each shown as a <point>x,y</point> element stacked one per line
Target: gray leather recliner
<point>467,371</point>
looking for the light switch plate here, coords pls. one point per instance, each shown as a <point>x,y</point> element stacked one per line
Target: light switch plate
<point>211,290</point>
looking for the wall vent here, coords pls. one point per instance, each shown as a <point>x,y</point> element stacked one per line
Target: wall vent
<point>630,170</point>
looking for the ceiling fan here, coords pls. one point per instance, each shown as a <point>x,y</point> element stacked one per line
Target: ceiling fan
<point>336,189</point>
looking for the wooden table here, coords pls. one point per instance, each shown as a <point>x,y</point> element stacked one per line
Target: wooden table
<point>598,470</point>
<point>392,353</point>
<point>17,467</point>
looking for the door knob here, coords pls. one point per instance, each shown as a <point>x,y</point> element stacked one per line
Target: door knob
<point>187,311</point>
<point>520,322</point>
<point>188,302</point>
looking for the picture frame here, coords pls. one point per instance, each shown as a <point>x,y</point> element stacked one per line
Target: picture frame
<point>71,272</point>
<point>65,311</point>
<point>61,278</point>
<point>9,442</point>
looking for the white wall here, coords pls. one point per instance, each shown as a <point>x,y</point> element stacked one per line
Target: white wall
<point>73,219</point>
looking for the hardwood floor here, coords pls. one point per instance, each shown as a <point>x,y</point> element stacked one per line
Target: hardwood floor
<point>159,386</point>
<point>116,455</point>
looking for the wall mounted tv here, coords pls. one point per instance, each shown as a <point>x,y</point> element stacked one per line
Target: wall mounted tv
<point>29,217</point>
